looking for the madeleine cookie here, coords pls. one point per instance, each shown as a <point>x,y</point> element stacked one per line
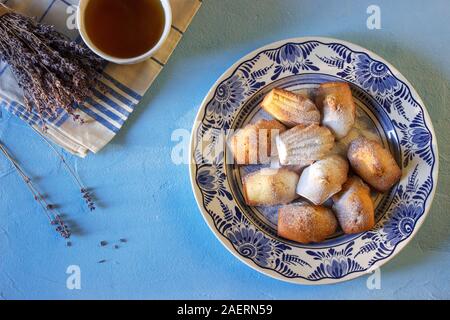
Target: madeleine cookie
<point>306,223</point>
<point>300,144</point>
<point>255,143</point>
<point>290,108</point>
<point>338,109</point>
<point>373,163</point>
<point>269,187</point>
<point>354,207</point>
<point>324,178</point>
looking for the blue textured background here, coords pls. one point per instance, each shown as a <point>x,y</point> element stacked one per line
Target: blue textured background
<point>170,252</point>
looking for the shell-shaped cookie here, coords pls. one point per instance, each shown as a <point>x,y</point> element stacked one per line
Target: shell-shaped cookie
<point>306,223</point>
<point>373,163</point>
<point>301,143</point>
<point>290,108</point>
<point>255,143</point>
<point>354,207</point>
<point>338,108</point>
<point>269,187</point>
<point>323,178</point>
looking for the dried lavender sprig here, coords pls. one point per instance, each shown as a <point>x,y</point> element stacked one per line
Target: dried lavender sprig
<point>52,214</point>
<point>53,71</point>
<point>86,195</point>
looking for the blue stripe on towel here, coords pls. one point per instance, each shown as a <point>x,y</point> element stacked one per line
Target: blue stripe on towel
<point>32,115</point>
<point>66,3</point>
<point>28,116</point>
<point>51,119</point>
<point>122,87</point>
<point>61,113</point>
<point>32,118</point>
<point>3,69</point>
<point>20,116</point>
<point>20,111</point>
<point>105,111</point>
<point>97,117</point>
<point>100,120</point>
<point>47,10</point>
<point>112,104</point>
<point>63,119</point>
<point>116,95</point>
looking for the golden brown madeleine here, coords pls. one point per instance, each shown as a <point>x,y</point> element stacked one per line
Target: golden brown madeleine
<point>290,108</point>
<point>373,163</point>
<point>306,223</point>
<point>269,187</point>
<point>323,178</point>
<point>302,143</point>
<point>253,143</point>
<point>353,207</point>
<point>338,108</point>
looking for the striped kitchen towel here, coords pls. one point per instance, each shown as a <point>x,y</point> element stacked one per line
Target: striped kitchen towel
<point>107,110</point>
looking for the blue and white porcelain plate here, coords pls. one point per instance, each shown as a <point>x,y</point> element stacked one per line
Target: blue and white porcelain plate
<point>389,109</point>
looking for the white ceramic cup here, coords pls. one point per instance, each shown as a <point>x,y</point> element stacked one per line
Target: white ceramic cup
<point>81,27</point>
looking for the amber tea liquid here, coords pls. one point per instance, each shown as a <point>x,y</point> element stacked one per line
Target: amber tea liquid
<point>124,28</point>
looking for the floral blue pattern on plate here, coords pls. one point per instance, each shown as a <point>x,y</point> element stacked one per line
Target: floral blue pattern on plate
<point>404,126</point>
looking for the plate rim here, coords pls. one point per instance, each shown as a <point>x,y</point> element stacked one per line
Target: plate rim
<point>224,241</point>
